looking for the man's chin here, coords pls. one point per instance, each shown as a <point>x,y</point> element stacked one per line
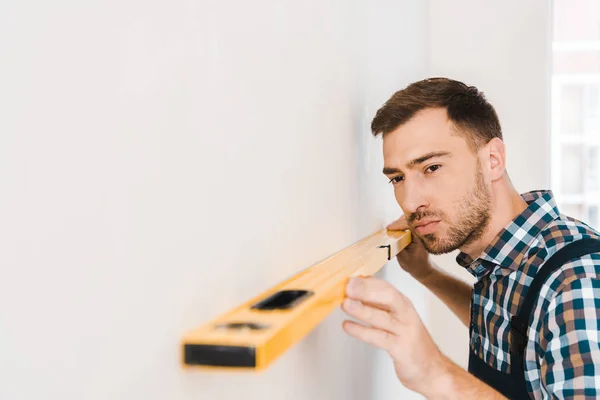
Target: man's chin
<point>436,246</point>
<point>437,251</point>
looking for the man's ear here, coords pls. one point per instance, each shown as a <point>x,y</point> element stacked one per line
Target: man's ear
<point>496,155</point>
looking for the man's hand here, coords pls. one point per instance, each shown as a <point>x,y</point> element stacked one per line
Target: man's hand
<point>414,259</point>
<point>392,323</point>
<point>395,326</point>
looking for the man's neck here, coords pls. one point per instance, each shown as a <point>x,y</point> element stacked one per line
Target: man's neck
<point>507,203</point>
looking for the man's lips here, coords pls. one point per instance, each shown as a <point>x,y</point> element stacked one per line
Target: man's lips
<point>427,226</point>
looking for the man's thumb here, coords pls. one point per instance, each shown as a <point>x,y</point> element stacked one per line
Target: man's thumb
<point>398,225</point>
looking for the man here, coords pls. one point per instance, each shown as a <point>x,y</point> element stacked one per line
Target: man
<point>534,313</point>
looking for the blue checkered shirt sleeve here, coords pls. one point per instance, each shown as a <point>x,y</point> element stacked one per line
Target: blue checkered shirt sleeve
<point>569,342</point>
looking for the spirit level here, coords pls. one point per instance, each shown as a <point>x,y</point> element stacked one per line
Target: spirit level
<point>254,334</point>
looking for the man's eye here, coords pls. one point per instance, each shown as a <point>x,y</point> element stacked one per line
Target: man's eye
<point>433,168</point>
<point>396,179</point>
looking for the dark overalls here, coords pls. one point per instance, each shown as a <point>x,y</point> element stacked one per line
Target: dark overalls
<point>513,384</point>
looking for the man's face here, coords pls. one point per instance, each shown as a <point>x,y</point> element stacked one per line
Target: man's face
<point>438,181</point>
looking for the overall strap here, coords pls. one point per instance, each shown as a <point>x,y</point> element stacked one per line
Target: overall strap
<point>520,322</point>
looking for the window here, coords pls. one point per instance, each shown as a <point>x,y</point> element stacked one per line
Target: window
<point>576,109</point>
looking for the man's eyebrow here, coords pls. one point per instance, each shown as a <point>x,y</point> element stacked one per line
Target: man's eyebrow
<point>425,157</point>
<point>390,170</point>
<point>416,161</point>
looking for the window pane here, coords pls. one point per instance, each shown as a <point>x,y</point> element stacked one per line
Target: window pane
<point>576,61</point>
<point>593,175</point>
<point>576,20</point>
<point>571,107</point>
<point>575,123</point>
<point>593,217</point>
<point>591,110</point>
<point>572,169</point>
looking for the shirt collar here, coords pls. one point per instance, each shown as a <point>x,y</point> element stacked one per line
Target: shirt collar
<point>513,241</point>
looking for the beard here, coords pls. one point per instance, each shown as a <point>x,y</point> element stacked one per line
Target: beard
<point>469,224</point>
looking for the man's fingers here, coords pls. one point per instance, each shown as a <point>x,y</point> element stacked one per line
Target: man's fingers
<point>398,225</point>
<point>375,317</point>
<point>376,337</point>
<point>377,292</point>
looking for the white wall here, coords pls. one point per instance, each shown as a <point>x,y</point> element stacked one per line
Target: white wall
<point>503,48</point>
<point>408,59</point>
<point>161,162</point>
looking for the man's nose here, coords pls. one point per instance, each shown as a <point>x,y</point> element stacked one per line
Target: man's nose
<point>412,199</point>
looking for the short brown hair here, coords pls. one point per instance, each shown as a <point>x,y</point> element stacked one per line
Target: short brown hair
<point>466,106</point>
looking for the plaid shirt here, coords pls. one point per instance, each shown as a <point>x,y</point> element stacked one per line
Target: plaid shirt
<point>563,354</point>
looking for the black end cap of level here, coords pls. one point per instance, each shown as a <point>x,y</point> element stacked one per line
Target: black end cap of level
<point>219,356</point>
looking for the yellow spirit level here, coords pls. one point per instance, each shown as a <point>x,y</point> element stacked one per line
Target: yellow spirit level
<point>254,334</point>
